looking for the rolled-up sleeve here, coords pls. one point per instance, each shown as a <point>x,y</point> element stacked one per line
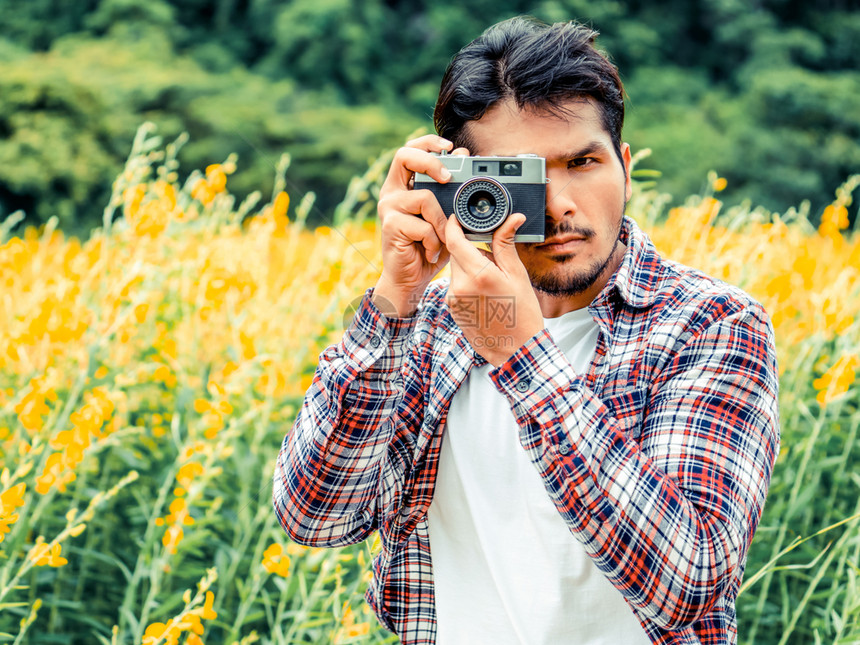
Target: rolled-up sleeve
<point>666,512</point>
<point>340,459</point>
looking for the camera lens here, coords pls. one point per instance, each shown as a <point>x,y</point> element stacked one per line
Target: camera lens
<point>481,204</point>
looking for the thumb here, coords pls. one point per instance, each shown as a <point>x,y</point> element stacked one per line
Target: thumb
<point>503,245</point>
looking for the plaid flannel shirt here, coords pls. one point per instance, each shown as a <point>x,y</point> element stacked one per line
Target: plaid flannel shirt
<point>658,458</point>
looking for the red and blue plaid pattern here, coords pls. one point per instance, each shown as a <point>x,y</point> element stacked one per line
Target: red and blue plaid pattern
<point>658,458</point>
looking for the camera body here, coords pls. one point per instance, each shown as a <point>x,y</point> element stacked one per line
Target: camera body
<point>483,191</point>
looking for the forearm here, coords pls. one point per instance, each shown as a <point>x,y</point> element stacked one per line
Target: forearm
<point>671,558</point>
<point>326,479</point>
<point>663,488</point>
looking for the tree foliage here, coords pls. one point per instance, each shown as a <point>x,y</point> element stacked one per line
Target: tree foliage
<point>765,93</point>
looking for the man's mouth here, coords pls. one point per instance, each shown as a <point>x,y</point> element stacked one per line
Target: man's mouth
<point>563,243</point>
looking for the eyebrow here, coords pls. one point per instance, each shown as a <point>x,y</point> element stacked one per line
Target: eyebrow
<point>591,148</point>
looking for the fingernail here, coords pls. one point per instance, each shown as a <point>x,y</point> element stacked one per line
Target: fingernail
<point>436,257</point>
<point>445,174</point>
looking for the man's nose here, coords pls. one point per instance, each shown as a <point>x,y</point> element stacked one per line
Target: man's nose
<point>560,200</point>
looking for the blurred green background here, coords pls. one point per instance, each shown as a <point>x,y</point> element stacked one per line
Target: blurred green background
<point>766,93</point>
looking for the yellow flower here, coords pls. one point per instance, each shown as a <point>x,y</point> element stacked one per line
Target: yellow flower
<point>217,177</point>
<point>279,208</point>
<point>212,423</point>
<point>151,219</point>
<point>833,219</point>
<point>208,613</point>
<point>32,407</point>
<point>358,629</point>
<point>163,374</point>
<point>133,198</point>
<point>167,192</point>
<point>836,380</point>
<point>350,627</point>
<point>720,183</point>
<point>41,555</point>
<point>297,549</point>
<point>190,622</point>
<point>203,192</point>
<point>159,632</point>
<point>188,472</point>
<point>10,500</point>
<point>276,561</point>
<point>55,475</point>
<point>178,514</point>
<point>172,537</point>
<point>6,523</point>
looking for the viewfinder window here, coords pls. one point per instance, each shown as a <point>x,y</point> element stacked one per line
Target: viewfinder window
<point>512,169</point>
<point>486,168</point>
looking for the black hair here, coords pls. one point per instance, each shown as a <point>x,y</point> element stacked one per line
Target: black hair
<point>537,65</point>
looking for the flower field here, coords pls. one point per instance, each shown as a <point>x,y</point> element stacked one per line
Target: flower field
<point>149,373</point>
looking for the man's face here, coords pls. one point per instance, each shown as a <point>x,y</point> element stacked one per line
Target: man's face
<point>589,187</point>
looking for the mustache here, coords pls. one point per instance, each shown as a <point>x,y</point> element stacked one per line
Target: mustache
<point>564,227</point>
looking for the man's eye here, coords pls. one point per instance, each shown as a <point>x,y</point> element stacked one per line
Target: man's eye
<point>579,162</point>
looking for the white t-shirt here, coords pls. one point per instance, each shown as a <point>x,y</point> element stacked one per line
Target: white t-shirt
<point>507,570</point>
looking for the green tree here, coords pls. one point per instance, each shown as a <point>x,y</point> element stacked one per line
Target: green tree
<point>763,91</point>
<point>69,114</point>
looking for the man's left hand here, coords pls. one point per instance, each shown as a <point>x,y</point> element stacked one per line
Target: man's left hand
<point>490,296</point>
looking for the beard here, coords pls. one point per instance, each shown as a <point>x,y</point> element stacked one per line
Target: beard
<point>573,282</point>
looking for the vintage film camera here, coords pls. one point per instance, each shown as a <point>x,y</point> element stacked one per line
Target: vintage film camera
<point>483,191</point>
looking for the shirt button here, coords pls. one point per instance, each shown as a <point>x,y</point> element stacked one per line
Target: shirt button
<point>522,386</point>
<point>564,447</point>
<point>374,341</point>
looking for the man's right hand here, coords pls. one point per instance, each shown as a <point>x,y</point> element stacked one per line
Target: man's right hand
<point>413,226</point>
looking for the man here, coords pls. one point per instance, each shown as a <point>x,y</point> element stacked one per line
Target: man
<point>589,467</point>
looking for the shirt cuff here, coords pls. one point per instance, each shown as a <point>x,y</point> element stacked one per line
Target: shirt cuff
<point>375,342</point>
<point>558,417</point>
<point>535,379</point>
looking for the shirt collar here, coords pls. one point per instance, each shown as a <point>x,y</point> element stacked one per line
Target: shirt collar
<point>636,280</point>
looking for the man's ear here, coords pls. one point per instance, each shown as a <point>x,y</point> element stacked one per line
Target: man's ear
<point>626,158</point>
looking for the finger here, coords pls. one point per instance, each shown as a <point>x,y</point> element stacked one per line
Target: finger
<point>464,284</point>
<point>407,229</point>
<point>466,255</point>
<point>440,259</point>
<point>460,152</point>
<point>456,269</point>
<point>487,254</point>
<point>503,246</point>
<point>414,157</point>
<point>407,162</point>
<point>421,203</point>
<point>457,278</point>
<point>430,143</point>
